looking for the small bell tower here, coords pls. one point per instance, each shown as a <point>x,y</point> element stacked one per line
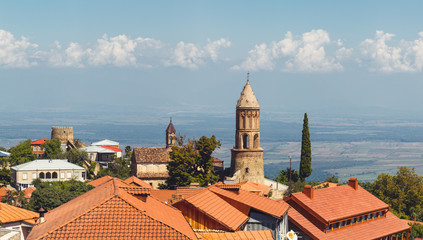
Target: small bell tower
<point>170,135</point>
<point>247,155</point>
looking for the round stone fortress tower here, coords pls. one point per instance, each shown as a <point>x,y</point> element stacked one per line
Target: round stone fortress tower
<point>64,134</point>
<point>247,156</point>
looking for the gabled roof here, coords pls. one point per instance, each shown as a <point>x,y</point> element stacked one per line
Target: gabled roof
<point>115,149</point>
<point>108,211</point>
<point>28,192</point>
<point>47,164</point>
<point>106,142</point>
<point>99,181</point>
<point>263,204</point>
<point>375,229</point>
<point>151,155</point>
<point>39,141</point>
<point>255,187</point>
<point>218,209</point>
<point>163,195</point>
<point>248,98</point>
<point>238,235</point>
<point>10,214</point>
<point>358,201</point>
<point>134,181</point>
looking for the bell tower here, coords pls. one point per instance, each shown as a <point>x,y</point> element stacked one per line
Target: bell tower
<point>247,155</point>
<point>170,135</point>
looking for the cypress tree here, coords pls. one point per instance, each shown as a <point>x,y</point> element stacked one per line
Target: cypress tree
<point>305,164</point>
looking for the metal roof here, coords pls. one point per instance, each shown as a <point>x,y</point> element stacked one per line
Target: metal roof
<point>97,149</point>
<point>47,164</point>
<point>4,154</point>
<point>106,142</point>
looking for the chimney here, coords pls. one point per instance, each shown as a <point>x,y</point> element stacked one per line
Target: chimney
<point>41,211</point>
<point>309,191</point>
<point>353,182</point>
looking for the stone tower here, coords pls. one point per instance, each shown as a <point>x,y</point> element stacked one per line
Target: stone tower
<point>64,134</point>
<point>247,156</point>
<point>170,135</point>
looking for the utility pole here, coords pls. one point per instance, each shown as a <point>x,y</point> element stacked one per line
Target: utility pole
<point>290,171</point>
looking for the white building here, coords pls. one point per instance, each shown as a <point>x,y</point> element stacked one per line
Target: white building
<point>46,170</point>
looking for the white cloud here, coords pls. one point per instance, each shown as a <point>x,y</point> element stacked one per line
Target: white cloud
<point>405,56</point>
<point>189,55</point>
<point>16,53</point>
<point>302,55</point>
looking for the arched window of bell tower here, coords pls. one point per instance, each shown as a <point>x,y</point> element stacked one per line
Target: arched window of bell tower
<point>245,141</point>
<point>256,141</point>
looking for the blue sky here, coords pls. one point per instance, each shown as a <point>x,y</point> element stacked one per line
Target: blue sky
<point>173,56</point>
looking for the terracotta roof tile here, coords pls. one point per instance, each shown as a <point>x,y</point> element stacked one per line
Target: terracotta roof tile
<point>10,213</point>
<point>238,235</point>
<point>215,207</point>
<point>150,155</point>
<point>136,190</point>
<point>163,195</point>
<point>186,192</point>
<point>369,230</point>
<point>252,200</point>
<point>255,187</point>
<point>99,181</point>
<point>358,201</point>
<point>134,181</point>
<point>28,192</point>
<point>39,141</point>
<point>109,212</point>
<point>3,192</point>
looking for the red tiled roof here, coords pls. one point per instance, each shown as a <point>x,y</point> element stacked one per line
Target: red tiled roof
<point>369,230</point>
<point>252,200</point>
<point>186,192</point>
<point>344,201</point>
<point>109,212</point>
<point>10,214</point>
<point>39,141</point>
<point>217,160</point>
<point>3,192</point>
<point>150,155</point>
<point>28,192</point>
<point>238,235</point>
<point>137,182</point>
<point>99,181</point>
<point>136,190</point>
<point>112,148</point>
<point>218,209</point>
<point>255,187</point>
<point>163,195</point>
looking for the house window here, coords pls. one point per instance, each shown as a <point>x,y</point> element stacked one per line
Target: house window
<point>92,156</point>
<point>62,175</point>
<point>83,175</point>
<point>376,215</point>
<point>353,221</point>
<point>359,220</point>
<point>76,174</point>
<point>335,225</point>
<point>382,213</point>
<point>69,175</point>
<point>348,223</point>
<point>370,217</point>
<point>342,224</point>
<point>246,170</point>
<point>34,175</point>
<point>24,176</point>
<point>364,218</point>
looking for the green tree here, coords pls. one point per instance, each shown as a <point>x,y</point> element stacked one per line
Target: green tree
<point>416,231</point>
<point>16,198</point>
<point>5,176</point>
<point>52,148</point>
<point>50,195</point>
<point>128,152</point>
<point>403,192</point>
<point>305,164</point>
<point>283,176</point>
<point>21,153</point>
<point>3,149</point>
<point>118,167</point>
<point>332,179</point>
<point>76,157</point>
<point>192,162</point>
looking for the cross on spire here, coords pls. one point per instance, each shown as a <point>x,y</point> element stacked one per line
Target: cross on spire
<point>248,76</point>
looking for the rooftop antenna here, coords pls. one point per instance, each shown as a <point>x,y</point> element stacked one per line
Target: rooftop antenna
<point>248,76</point>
